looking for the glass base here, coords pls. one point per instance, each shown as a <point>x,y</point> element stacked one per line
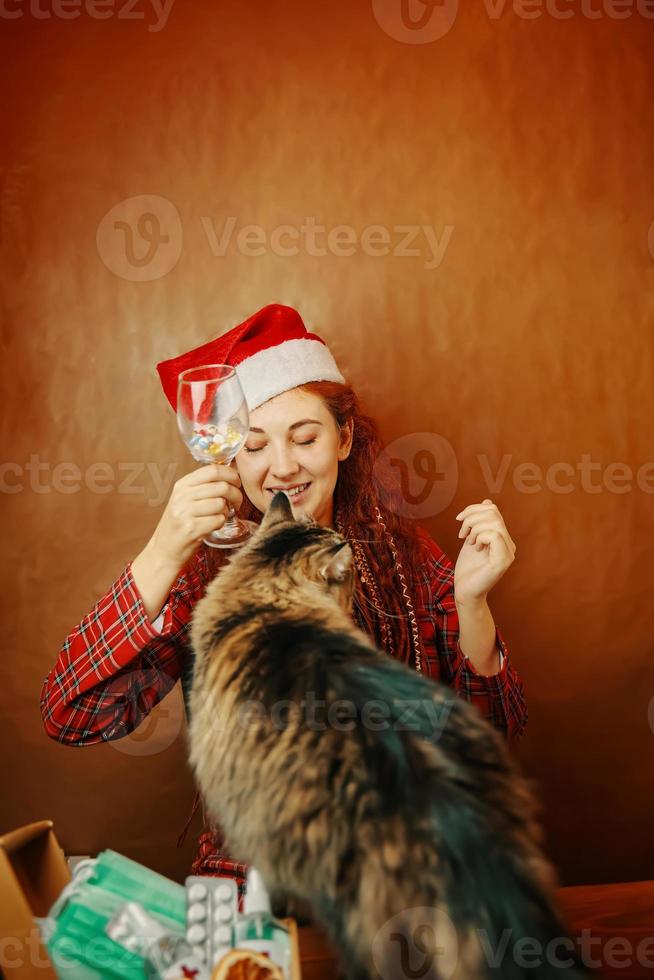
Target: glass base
<point>232,534</point>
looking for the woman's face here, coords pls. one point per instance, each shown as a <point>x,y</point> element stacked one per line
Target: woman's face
<point>293,441</point>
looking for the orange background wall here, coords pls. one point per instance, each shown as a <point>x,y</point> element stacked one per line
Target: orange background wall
<point>526,145</point>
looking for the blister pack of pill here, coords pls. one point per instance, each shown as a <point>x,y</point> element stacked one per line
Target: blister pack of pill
<point>211,909</point>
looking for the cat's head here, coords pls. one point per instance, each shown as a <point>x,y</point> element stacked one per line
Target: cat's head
<point>295,550</point>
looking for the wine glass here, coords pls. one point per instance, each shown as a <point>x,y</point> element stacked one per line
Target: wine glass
<point>213,418</point>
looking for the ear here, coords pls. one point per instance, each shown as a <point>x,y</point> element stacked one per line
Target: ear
<point>279,510</point>
<point>347,434</point>
<point>338,565</point>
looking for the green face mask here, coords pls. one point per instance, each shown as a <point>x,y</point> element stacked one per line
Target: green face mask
<point>80,939</point>
<point>76,925</point>
<point>163,898</point>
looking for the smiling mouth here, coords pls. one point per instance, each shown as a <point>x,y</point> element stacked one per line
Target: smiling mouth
<point>291,491</point>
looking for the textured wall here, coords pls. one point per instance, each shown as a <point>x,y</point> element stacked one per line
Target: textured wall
<point>518,146</point>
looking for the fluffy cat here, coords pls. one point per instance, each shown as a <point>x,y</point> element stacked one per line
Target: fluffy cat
<point>380,798</point>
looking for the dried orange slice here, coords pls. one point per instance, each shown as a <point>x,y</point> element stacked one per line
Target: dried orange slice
<point>244,964</point>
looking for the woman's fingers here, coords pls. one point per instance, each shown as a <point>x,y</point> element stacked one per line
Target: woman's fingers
<point>215,491</point>
<point>498,546</point>
<point>190,505</point>
<point>209,508</point>
<point>206,525</point>
<point>212,473</point>
<point>198,504</point>
<point>474,508</point>
<point>481,531</point>
<point>485,516</point>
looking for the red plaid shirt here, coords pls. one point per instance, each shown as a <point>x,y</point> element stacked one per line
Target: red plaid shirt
<point>115,666</point>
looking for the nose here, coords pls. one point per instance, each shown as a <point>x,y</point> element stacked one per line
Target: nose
<point>283,466</point>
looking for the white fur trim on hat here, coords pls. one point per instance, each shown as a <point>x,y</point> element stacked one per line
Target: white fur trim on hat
<point>276,369</point>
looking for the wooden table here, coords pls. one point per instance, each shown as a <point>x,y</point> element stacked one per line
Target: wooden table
<point>621,919</point>
<point>613,924</point>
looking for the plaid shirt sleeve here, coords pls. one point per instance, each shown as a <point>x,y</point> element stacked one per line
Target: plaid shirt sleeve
<point>115,666</point>
<point>500,697</point>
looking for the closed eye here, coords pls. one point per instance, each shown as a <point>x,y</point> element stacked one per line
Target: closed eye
<point>257,449</point>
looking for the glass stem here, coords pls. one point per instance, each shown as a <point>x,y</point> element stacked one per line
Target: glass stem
<point>231,520</point>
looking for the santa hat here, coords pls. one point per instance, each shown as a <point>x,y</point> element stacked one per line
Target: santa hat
<point>272,351</point>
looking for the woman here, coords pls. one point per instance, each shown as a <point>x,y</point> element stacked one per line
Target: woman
<point>308,436</point>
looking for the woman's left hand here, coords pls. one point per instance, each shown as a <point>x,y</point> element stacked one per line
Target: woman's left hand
<point>487,551</point>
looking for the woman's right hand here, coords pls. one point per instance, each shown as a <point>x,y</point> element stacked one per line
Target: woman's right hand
<point>198,504</point>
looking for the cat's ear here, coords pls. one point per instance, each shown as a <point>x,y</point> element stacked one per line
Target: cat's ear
<point>280,510</point>
<point>338,564</point>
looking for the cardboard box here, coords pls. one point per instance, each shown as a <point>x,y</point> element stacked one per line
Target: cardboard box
<point>291,925</point>
<point>33,871</point>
